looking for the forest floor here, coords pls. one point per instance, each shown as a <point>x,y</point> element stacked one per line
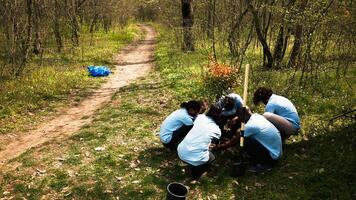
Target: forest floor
<point>133,62</point>
<point>118,155</point>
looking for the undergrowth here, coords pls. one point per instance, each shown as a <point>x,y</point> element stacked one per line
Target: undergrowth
<point>119,155</point>
<point>56,78</point>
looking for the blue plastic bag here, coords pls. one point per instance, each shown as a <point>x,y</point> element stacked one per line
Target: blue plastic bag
<point>98,71</point>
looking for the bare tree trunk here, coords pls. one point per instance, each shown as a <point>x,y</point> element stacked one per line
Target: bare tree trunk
<point>210,18</point>
<point>188,21</point>
<point>37,44</point>
<point>298,40</point>
<point>234,39</point>
<point>213,30</point>
<point>278,50</point>
<point>24,42</point>
<point>285,45</point>
<point>72,14</point>
<point>294,56</point>
<point>56,27</point>
<point>261,38</point>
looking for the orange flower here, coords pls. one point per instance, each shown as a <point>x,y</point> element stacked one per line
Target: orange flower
<point>217,70</point>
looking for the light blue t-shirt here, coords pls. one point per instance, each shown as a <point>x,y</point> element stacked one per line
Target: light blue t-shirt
<point>283,107</point>
<point>260,129</point>
<point>237,104</point>
<point>194,149</point>
<point>173,122</point>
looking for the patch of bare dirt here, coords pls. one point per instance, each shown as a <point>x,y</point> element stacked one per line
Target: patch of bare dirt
<point>133,62</point>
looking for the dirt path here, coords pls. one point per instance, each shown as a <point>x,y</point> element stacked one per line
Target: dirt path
<point>134,61</point>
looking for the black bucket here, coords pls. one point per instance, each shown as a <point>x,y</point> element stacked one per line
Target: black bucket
<point>176,191</point>
<point>238,169</point>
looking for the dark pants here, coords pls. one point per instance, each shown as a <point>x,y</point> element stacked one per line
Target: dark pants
<point>197,171</point>
<point>258,153</point>
<point>177,136</point>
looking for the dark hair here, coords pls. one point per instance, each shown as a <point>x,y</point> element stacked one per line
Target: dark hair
<point>262,94</point>
<point>243,114</point>
<point>195,105</point>
<point>228,102</point>
<point>214,113</point>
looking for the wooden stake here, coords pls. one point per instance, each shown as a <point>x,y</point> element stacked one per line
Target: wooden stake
<point>247,69</point>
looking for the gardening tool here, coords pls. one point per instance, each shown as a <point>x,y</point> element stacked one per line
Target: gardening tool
<point>240,167</point>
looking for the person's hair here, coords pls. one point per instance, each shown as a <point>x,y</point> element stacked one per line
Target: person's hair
<point>195,105</point>
<point>243,113</point>
<point>262,94</point>
<point>214,113</point>
<point>228,102</point>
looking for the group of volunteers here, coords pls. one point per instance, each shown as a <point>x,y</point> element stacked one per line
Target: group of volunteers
<point>194,132</point>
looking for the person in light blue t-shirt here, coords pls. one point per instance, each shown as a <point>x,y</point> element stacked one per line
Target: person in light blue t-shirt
<point>195,147</point>
<point>229,104</point>
<point>263,142</point>
<point>279,110</point>
<point>178,123</point>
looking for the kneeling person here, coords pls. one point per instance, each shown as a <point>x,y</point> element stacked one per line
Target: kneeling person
<point>194,149</point>
<point>279,110</point>
<point>263,142</point>
<point>176,126</point>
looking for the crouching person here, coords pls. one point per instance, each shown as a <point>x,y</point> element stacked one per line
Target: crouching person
<point>280,111</point>
<point>176,126</point>
<point>194,149</point>
<point>262,141</point>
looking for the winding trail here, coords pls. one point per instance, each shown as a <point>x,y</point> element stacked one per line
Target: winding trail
<point>133,62</point>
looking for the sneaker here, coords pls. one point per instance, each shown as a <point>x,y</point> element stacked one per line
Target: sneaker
<point>260,168</point>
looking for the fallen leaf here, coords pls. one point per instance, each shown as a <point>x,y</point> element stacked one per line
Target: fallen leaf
<point>321,170</point>
<point>67,194</point>
<point>235,182</point>
<point>136,182</point>
<point>258,185</point>
<point>133,165</point>
<point>99,148</point>
<point>61,159</point>
<point>41,171</point>
<point>118,178</point>
<point>283,187</point>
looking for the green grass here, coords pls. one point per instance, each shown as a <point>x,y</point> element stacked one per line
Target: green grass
<point>318,164</point>
<point>58,78</point>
